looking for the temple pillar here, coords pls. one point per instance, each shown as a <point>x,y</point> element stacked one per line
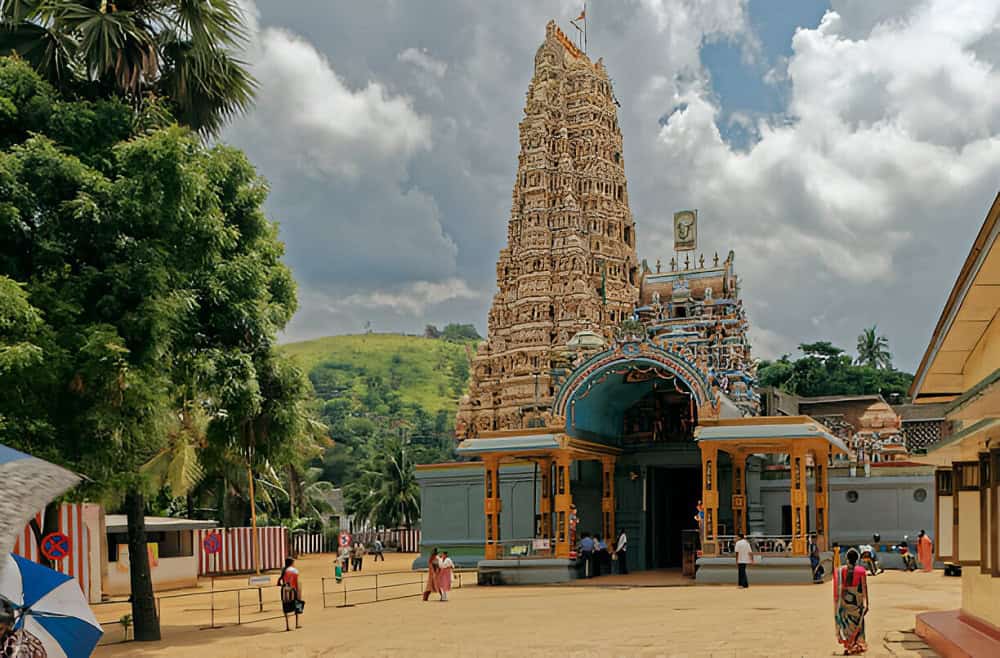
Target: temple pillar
<point>491,506</point>
<point>739,496</point>
<point>822,501</point>
<point>563,503</point>
<point>608,499</point>
<point>545,499</point>
<point>799,496</point>
<point>710,498</point>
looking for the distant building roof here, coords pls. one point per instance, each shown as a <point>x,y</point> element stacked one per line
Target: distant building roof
<point>119,523</point>
<point>825,399</point>
<point>913,412</point>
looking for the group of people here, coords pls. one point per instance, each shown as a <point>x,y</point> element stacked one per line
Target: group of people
<point>600,557</point>
<point>439,570</point>
<point>352,557</point>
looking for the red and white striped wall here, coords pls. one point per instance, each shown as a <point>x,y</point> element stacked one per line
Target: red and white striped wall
<point>236,555</point>
<point>407,540</point>
<point>71,524</point>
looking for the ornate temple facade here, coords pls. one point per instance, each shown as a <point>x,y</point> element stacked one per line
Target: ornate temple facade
<point>569,278</point>
<point>613,396</point>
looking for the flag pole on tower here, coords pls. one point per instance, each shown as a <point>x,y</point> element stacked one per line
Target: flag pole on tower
<point>583,30</point>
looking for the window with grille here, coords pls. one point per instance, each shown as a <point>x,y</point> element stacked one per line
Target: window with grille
<point>943,479</point>
<point>967,476</point>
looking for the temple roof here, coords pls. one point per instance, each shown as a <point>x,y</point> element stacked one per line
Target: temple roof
<point>508,444</point>
<point>763,428</point>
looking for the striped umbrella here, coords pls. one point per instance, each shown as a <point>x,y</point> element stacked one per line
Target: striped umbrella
<point>50,611</point>
<point>27,484</point>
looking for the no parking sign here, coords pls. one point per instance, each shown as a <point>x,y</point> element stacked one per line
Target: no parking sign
<point>344,539</point>
<point>212,543</point>
<point>55,546</point>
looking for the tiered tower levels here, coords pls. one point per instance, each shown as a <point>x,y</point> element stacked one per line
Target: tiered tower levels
<point>570,263</point>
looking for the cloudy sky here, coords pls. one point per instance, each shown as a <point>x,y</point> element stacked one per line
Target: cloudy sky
<point>847,150</point>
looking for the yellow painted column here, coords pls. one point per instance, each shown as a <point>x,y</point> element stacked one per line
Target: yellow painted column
<point>608,499</point>
<point>822,499</point>
<point>545,499</point>
<point>491,506</point>
<point>563,501</point>
<point>739,497</point>
<point>799,497</point>
<point>710,498</point>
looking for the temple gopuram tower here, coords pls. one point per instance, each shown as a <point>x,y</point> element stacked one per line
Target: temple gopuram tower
<point>570,263</point>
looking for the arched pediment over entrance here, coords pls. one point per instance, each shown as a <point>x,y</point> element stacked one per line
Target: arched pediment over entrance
<point>595,396</point>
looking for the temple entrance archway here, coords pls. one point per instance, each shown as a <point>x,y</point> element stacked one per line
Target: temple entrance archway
<point>645,402</point>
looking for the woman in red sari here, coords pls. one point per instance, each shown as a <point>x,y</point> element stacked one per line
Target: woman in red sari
<point>850,600</point>
<point>433,567</point>
<point>446,566</point>
<point>925,551</point>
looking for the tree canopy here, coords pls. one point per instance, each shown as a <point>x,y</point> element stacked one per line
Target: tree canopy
<point>825,369</point>
<point>137,50</point>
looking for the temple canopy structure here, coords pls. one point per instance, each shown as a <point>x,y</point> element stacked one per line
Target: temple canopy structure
<point>628,391</point>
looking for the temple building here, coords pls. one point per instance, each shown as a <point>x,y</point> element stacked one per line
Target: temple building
<point>614,396</point>
<point>961,370</point>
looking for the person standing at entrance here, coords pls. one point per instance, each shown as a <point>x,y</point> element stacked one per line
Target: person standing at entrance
<point>587,554</point>
<point>744,557</point>
<point>621,546</point>
<point>925,550</point>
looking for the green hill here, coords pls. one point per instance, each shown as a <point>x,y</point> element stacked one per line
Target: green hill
<point>430,373</point>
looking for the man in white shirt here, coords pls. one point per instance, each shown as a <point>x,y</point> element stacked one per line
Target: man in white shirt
<point>744,556</point>
<point>621,546</point>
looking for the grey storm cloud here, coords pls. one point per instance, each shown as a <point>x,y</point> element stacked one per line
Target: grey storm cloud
<point>388,133</point>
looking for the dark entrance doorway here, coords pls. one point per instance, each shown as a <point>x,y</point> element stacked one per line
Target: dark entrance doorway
<point>671,497</point>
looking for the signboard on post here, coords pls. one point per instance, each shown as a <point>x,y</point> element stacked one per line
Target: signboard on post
<point>56,546</point>
<point>686,230</point>
<point>344,539</point>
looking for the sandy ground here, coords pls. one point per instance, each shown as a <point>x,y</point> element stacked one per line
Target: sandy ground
<point>610,621</point>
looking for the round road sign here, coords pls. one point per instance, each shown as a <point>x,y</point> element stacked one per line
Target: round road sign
<point>212,543</point>
<point>55,546</point>
<point>345,539</point>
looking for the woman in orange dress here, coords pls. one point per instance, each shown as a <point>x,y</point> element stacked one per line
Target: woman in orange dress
<point>433,567</point>
<point>925,551</point>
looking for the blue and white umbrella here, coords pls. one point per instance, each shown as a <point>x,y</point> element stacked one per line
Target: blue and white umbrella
<point>27,485</point>
<point>49,608</point>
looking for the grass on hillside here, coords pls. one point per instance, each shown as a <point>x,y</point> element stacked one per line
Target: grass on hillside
<point>422,367</point>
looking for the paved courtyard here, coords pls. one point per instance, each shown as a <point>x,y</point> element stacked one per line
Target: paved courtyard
<point>616,620</point>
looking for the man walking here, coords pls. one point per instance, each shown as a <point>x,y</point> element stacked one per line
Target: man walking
<point>621,546</point>
<point>587,554</point>
<point>377,549</point>
<point>744,556</point>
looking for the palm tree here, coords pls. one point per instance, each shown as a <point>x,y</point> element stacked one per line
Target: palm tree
<point>873,349</point>
<point>138,50</point>
<point>387,493</point>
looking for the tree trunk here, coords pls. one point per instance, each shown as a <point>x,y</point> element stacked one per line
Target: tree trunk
<point>146,625</point>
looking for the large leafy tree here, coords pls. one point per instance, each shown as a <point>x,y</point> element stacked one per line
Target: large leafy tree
<point>873,349</point>
<point>179,50</point>
<point>147,280</point>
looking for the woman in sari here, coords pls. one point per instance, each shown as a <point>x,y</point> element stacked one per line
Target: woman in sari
<point>850,597</point>
<point>433,567</point>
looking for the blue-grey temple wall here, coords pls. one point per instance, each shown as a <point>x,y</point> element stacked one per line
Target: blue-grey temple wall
<point>892,505</point>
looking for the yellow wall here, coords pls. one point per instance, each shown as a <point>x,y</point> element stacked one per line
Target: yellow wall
<point>945,528</point>
<point>981,595</point>
<point>985,358</point>
<point>968,525</point>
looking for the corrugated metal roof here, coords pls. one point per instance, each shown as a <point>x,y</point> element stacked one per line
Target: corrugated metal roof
<point>119,523</point>
<point>508,444</point>
<point>767,431</point>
